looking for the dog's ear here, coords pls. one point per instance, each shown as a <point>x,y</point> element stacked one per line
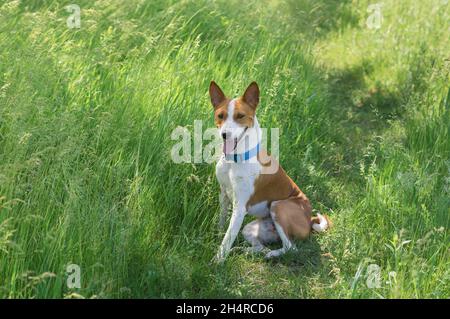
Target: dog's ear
<point>251,95</point>
<point>216,94</point>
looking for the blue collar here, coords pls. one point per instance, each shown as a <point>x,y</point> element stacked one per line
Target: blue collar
<point>239,158</point>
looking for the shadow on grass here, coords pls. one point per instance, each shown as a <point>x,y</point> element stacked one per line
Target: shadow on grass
<point>361,107</point>
<point>375,102</point>
<point>349,91</point>
<point>307,256</point>
<point>316,18</point>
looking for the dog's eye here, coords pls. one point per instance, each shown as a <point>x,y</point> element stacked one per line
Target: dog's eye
<point>240,116</point>
<point>220,116</point>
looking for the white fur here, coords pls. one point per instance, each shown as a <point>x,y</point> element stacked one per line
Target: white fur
<point>237,180</point>
<point>322,226</point>
<point>237,184</point>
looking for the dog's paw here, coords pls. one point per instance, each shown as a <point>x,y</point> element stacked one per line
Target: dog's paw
<point>274,253</point>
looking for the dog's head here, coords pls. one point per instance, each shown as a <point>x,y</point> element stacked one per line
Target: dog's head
<point>234,116</point>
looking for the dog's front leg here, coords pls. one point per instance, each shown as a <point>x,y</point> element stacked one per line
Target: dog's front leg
<point>224,207</point>
<point>236,221</point>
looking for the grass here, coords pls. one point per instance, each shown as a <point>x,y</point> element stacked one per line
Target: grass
<point>86,117</point>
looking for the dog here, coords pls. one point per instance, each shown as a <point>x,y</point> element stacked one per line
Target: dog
<point>249,183</point>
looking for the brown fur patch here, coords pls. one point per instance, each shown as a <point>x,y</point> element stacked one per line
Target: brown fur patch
<point>244,109</point>
<point>243,113</point>
<point>272,187</point>
<point>294,216</point>
<point>292,208</point>
<point>221,112</point>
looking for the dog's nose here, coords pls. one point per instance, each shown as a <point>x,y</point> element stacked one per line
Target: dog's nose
<point>224,135</point>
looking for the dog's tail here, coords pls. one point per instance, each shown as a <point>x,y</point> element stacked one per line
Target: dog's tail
<point>320,223</point>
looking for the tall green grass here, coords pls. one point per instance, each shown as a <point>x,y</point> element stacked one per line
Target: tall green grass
<point>86,117</point>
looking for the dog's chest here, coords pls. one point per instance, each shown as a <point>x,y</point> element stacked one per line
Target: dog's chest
<point>237,179</point>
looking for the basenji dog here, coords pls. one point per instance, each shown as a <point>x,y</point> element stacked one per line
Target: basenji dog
<point>250,184</point>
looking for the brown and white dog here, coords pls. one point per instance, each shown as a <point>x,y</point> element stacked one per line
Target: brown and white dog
<point>248,181</point>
